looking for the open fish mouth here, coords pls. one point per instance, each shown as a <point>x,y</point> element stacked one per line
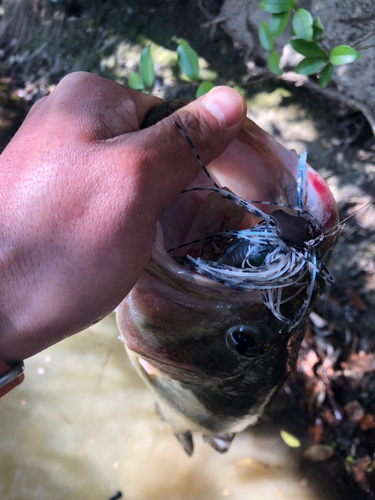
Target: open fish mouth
<point>216,320</point>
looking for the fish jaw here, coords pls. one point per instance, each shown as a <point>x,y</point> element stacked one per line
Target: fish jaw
<point>175,321</point>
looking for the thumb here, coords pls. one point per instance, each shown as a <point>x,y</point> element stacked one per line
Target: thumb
<point>211,123</point>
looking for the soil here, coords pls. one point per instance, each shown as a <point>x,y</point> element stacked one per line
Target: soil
<point>329,400</point>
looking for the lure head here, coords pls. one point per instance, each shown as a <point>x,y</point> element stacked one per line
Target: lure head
<point>214,349</point>
<point>293,230</point>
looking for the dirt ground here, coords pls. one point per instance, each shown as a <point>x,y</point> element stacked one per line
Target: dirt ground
<point>332,392</point>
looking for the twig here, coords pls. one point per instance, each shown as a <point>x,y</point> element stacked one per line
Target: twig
<point>355,20</point>
<point>324,47</point>
<point>216,20</point>
<point>204,10</point>
<point>363,39</point>
<point>367,47</point>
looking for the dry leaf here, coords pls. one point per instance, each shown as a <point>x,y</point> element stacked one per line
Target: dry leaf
<point>354,411</point>
<point>360,363</point>
<point>367,422</point>
<point>359,472</point>
<point>356,300</point>
<point>309,362</point>
<point>318,452</point>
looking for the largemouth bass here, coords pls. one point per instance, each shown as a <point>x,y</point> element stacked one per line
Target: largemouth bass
<point>216,320</point>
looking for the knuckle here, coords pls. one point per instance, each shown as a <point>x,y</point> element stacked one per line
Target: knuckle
<point>38,105</point>
<point>75,78</point>
<point>78,86</point>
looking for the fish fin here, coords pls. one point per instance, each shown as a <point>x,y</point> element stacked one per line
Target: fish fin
<point>220,442</point>
<point>186,440</point>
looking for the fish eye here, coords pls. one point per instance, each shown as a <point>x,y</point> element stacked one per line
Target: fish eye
<point>243,340</point>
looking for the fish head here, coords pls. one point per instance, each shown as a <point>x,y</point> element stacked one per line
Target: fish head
<point>212,347</point>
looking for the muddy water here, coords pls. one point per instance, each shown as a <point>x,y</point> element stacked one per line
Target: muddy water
<point>82,426</point>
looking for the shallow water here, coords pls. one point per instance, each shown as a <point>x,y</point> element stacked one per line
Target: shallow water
<point>83,426</point>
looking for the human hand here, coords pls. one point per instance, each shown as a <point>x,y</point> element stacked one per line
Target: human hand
<point>81,191</point>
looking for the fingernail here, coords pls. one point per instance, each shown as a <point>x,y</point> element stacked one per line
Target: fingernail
<point>225,104</point>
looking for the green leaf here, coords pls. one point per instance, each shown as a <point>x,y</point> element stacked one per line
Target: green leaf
<point>188,61</point>
<point>277,6</point>
<point>289,439</point>
<point>135,82</point>
<point>308,49</point>
<point>265,36</point>
<point>318,24</point>
<point>326,75</point>
<point>203,88</point>
<point>278,23</point>
<point>317,29</point>
<point>310,65</point>
<point>274,63</point>
<point>302,24</point>
<point>343,54</point>
<point>146,67</point>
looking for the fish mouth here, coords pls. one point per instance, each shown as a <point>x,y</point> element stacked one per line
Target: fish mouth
<point>255,167</point>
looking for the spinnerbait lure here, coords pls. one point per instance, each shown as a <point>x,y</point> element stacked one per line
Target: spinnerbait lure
<point>279,252</point>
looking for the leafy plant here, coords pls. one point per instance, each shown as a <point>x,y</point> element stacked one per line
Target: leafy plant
<point>146,70</point>
<point>306,34</point>
<point>188,63</point>
<point>135,82</point>
<point>146,67</point>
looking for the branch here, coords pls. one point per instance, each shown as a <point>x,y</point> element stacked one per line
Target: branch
<point>367,47</point>
<point>363,39</point>
<point>330,93</point>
